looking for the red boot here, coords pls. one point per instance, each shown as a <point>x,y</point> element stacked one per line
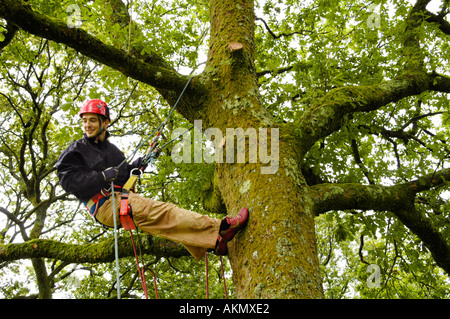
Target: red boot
<point>235,224</point>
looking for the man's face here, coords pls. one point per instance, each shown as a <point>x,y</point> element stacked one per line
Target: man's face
<point>91,124</point>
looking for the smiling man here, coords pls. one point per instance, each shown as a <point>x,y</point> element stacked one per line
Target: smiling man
<point>87,168</point>
<point>94,126</point>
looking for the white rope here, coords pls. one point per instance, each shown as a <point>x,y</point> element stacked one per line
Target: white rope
<point>116,245</point>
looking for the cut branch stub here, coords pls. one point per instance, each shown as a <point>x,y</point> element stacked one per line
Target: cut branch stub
<point>235,46</point>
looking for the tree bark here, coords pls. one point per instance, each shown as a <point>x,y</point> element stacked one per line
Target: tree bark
<point>276,255</point>
<point>101,252</point>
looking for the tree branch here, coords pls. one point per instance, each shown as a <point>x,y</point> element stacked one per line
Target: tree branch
<point>275,37</point>
<point>398,199</point>
<point>274,72</point>
<point>444,25</point>
<point>413,56</point>
<point>431,237</point>
<point>346,196</point>
<point>326,116</point>
<point>10,33</point>
<point>23,16</point>
<point>440,84</point>
<point>101,252</point>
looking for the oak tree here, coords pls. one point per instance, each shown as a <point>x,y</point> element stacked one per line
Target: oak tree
<point>354,97</point>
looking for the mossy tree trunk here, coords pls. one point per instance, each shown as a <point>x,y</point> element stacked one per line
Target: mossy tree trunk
<point>276,256</point>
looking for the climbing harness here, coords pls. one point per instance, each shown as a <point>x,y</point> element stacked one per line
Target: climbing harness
<point>98,200</point>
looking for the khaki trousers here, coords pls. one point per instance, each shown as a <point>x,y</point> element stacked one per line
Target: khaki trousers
<point>195,231</point>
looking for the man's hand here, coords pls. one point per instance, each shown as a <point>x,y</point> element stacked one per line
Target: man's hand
<point>138,163</point>
<point>110,174</point>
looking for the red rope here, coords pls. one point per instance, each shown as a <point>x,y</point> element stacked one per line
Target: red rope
<point>154,282</point>
<point>141,273</point>
<point>223,277</point>
<point>144,283</point>
<point>207,286</point>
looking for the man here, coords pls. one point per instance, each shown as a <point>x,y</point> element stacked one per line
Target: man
<point>87,167</point>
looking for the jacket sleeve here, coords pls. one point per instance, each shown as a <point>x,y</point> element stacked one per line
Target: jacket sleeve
<point>75,179</point>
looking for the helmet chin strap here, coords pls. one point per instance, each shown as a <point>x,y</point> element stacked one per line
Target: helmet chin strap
<point>101,129</point>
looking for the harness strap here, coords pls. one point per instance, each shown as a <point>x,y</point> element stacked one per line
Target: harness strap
<point>125,214</point>
<point>130,182</point>
<point>98,200</point>
<point>94,203</point>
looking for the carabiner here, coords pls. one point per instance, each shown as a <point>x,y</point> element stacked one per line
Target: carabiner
<point>138,169</point>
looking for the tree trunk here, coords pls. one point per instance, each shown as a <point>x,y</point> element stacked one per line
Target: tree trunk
<point>276,255</point>
<point>44,282</point>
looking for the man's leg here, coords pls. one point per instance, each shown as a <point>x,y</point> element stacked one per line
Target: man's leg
<point>195,231</point>
<point>167,220</point>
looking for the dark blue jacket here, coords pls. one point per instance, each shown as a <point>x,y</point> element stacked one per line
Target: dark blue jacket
<point>80,166</point>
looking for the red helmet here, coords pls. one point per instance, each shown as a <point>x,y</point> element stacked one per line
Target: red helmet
<point>95,106</point>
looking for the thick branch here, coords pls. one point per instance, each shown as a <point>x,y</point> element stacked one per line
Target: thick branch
<point>444,25</point>
<point>441,84</point>
<point>357,196</point>
<point>398,199</point>
<point>431,237</point>
<point>10,33</point>
<point>23,16</point>
<point>373,197</point>
<point>413,56</point>
<point>327,115</point>
<point>88,253</point>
